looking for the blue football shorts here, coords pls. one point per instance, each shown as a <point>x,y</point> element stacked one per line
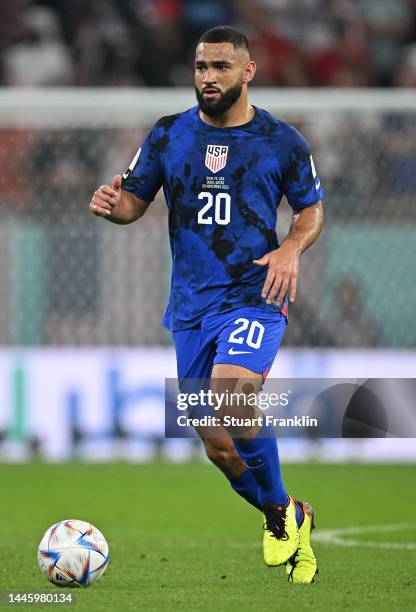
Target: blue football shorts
<point>249,337</point>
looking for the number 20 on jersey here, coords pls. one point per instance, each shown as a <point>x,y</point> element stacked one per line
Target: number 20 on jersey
<point>216,208</point>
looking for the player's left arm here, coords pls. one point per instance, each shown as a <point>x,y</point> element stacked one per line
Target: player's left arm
<point>303,190</point>
<point>283,263</point>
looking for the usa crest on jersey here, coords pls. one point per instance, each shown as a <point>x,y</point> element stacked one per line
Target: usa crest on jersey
<point>216,157</point>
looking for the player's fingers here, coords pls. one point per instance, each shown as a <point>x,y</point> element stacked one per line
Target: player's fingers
<point>281,291</point>
<point>267,284</point>
<point>100,212</point>
<point>263,261</point>
<point>117,182</point>
<point>273,290</point>
<point>293,287</point>
<point>102,198</point>
<point>107,190</point>
<point>103,201</point>
<point>97,209</point>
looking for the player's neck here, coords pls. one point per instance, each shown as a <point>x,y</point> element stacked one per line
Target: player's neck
<point>236,115</point>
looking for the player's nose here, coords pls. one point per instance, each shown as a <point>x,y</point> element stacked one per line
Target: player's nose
<point>210,76</point>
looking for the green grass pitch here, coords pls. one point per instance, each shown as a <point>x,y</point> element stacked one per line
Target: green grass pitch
<point>181,539</point>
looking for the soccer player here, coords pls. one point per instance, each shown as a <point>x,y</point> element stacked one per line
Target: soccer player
<point>224,166</point>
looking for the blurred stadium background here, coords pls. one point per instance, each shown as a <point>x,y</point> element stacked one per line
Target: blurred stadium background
<point>83,354</point>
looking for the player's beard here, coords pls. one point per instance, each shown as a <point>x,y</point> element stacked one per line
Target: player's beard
<point>214,108</point>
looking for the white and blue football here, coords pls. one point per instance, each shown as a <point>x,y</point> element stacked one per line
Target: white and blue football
<point>73,553</point>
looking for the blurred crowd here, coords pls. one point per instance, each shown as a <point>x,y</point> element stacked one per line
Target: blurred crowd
<point>340,43</point>
<point>73,274</point>
<point>367,163</point>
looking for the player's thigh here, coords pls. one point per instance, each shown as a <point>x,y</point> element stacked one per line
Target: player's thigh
<point>249,339</point>
<point>238,410</point>
<point>235,378</point>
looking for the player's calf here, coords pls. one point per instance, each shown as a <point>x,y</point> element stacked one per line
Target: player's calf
<point>221,451</point>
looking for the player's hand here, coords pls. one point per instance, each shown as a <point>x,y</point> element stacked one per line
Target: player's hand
<point>283,272</point>
<point>106,198</point>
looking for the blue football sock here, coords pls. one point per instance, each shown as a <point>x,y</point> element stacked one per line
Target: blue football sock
<point>246,486</point>
<point>262,459</point>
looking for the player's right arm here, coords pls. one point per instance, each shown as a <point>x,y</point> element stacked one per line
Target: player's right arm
<point>128,197</point>
<point>116,204</point>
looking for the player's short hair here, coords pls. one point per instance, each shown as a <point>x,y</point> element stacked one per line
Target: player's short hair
<point>228,34</point>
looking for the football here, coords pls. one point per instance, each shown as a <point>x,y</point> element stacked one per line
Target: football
<point>73,553</point>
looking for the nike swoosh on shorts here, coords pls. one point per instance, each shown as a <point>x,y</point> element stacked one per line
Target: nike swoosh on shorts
<point>233,352</point>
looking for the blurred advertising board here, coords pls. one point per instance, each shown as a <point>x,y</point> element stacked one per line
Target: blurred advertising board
<point>104,404</point>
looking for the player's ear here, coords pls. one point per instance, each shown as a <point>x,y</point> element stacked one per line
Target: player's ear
<point>249,71</point>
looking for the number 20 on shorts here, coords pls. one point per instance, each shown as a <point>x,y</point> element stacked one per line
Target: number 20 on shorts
<point>254,334</point>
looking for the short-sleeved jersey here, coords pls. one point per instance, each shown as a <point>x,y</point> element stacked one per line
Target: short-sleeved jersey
<point>222,187</point>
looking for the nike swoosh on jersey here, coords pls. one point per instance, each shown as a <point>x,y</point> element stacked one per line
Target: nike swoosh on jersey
<point>233,352</point>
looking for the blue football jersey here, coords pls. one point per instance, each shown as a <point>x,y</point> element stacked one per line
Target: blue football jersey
<point>222,187</point>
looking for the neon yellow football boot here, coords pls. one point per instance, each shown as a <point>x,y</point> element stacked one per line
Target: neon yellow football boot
<point>302,567</point>
<point>281,534</point>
